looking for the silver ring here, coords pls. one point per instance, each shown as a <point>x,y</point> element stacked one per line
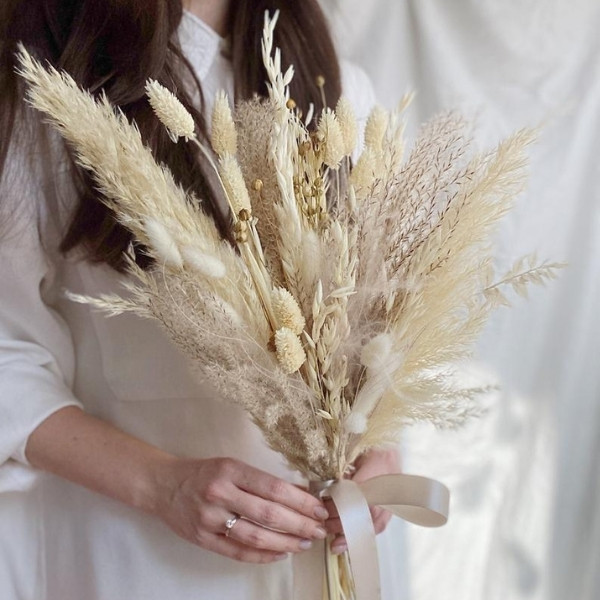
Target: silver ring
<point>230,523</point>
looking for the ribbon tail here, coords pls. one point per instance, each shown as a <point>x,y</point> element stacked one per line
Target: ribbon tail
<point>417,499</point>
<point>355,517</point>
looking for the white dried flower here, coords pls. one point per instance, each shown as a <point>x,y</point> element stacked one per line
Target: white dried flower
<point>203,263</point>
<point>172,114</point>
<point>376,127</point>
<point>333,142</point>
<point>234,184</point>
<point>223,136</point>
<point>356,422</point>
<point>290,353</point>
<point>375,353</point>
<point>287,312</point>
<point>348,125</point>
<point>162,243</point>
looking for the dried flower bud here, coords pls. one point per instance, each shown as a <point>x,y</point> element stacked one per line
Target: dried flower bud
<point>287,312</point>
<point>245,215</point>
<point>223,136</point>
<point>376,127</point>
<point>291,104</point>
<point>172,114</point>
<point>234,184</point>
<point>240,226</point>
<point>320,81</point>
<point>347,120</point>
<point>257,185</point>
<point>289,350</point>
<point>304,147</point>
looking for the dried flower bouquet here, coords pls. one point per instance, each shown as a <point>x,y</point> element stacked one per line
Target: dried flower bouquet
<point>352,288</point>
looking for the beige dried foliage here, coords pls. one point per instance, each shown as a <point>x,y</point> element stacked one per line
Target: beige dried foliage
<point>352,293</point>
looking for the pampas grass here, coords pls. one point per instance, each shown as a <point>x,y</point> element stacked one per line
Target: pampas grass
<point>351,292</point>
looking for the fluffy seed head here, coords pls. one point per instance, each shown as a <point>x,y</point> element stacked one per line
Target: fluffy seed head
<point>223,136</point>
<point>234,184</point>
<point>162,243</point>
<point>172,114</point>
<point>376,127</point>
<point>287,312</point>
<point>330,132</point>
<point>203,263</point>
<point>347,120</point>
<point>356,422</point>
<point>376,351</point>
<point>290,353</point>
<point>363,173</point>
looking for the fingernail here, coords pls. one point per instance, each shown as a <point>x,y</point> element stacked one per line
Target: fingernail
<point>320,533</point>
<point>339,549</point>
<point>305,544</point>
<point>321,513</point>
<point>281,556</point>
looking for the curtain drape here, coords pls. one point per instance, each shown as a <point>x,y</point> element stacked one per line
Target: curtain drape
<point>525,478</point>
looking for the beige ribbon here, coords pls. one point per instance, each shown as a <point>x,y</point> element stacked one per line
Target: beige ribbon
<point>416,499</point>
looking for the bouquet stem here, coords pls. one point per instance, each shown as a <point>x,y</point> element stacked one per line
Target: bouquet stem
<point>338,584</point>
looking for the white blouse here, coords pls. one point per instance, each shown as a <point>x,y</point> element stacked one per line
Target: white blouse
<point>59,541</point>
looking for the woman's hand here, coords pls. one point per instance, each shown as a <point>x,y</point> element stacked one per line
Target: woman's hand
<point>196,498</point>
<point>371,464</point>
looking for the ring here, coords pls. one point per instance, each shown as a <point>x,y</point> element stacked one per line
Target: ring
<point>230,523</point>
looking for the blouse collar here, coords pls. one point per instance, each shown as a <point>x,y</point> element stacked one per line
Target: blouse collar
<point>199,43</point>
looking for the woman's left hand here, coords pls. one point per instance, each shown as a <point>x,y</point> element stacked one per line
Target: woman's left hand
<point>371,464</point>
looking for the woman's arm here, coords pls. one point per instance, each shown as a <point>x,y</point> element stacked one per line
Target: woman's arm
<point>194,497</point>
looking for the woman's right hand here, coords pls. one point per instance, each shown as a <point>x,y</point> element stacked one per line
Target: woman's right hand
<point>196,497</point>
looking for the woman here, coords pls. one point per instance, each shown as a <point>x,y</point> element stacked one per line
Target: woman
<point>105,438</point>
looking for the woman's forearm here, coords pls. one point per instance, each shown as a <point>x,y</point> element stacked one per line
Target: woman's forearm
<point>90,452</point>
<point>195,497</point>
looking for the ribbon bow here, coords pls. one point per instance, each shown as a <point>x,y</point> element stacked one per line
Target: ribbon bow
<point>415,499</point>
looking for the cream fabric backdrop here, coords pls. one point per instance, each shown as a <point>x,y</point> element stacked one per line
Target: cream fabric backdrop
<point>525,520</point>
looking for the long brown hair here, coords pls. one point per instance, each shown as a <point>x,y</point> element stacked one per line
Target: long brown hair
<point>116,45</point>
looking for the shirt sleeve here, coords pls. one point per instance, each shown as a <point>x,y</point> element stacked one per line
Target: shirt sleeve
<point>36,352</point>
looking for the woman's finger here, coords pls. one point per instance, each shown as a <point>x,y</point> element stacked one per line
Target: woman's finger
<point>237,551</point>
<point>281,492</point>
<point>255,536</point>
<point>275,516</point>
